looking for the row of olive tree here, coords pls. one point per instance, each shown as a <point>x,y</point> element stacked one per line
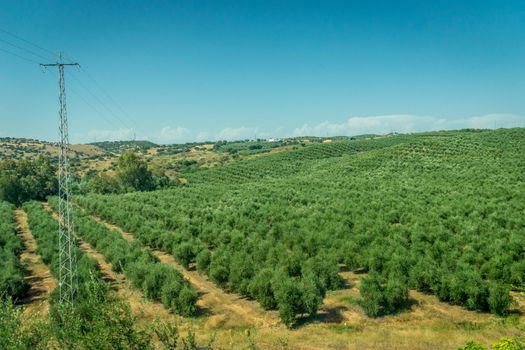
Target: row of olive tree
<point>12,283</point>
<point>44,229</point>
<point>156,280</point>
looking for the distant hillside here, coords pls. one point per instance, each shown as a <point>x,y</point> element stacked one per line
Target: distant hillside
<point>122,146</point>
<point>18,148</point>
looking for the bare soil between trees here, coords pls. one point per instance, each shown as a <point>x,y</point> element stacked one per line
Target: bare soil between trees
<point>38,275</point>
<point>223,309</point>
<point>340,324</point>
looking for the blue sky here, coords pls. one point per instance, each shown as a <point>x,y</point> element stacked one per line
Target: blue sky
<point>178,71</point>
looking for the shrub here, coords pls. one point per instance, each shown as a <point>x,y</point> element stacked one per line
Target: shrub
<point>153,282</point>
<point>312,295</point>
<point>170,294</point>
<point>499,299</point>
<point>186,301</point>
<point>395,294</point>
<point>203,260</point>
<point>372,298</point>
<point>219,268</point>
<point>508,344</point>
<point>382,296</point>
<point>260,288</point>
<point>471,345</point>
<point>184,254</point>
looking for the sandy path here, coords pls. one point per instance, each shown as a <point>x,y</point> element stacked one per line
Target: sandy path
<point>38,276</point>
<point>148,310</point>
<point>225,309</point>
<point>340,325</point>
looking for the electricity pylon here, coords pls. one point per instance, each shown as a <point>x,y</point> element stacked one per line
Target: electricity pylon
<point>68,283</point>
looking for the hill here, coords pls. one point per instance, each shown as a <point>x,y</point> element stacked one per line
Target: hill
<point>437,213</point>
<point>117,147</point>
<point>18,148</point>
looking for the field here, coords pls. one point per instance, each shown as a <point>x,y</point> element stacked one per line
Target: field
<point>399,242</point>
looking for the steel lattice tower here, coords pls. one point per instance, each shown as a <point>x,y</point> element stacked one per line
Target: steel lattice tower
<point>68,283</point>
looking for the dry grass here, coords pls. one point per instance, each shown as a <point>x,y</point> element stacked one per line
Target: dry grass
<point>340,324</point>
<point>220,308</point>
<point>38,274</point>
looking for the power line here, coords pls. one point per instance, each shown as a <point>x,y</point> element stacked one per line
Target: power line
<point>97,97</point>
<point>101,102</point>
<point>19,56</point>
<point>28,42</point>
<point>108,96</point>
<point>92,107</point>
<point>24,49</point>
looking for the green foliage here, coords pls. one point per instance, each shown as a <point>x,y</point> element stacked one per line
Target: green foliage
<point>12,283</point>
<point>440,212</point>
<point>186,301</point>
<point>99,321</point>
<point>10,326</point>
<point>382,295</point>
<point>203,260</point>
<point>508,344</point>
<point>184,254</point>
<point>373,300</point>
<point>260,288</point>
<point>156,280</point>
<point>133,172</point>
<point>44,229</point>
<point>289,300</point>
<point>499,299</point>
<point>24,180</point>
<point>471,345</point>
<point>104,183</point>
<point>167,334</point>
<point>503,344</point>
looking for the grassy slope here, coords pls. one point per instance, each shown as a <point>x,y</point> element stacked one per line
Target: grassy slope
<point>463,170</point>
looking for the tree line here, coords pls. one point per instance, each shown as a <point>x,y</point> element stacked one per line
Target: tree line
<point>440,213</point>
<point>157,281</point>
<point>12,283</point>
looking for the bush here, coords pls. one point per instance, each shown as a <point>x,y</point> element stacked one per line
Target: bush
<point>186,301</point>
<point>508,344</point>
<point>203,260</point>
<point>289,296</point>
<point>219,269</point>
<point>312,295</point>
<point>12,283</point>
<point>170,294</point>
<point>472,346</point>
<point>184,254</point>
<point>372,298</point>
<point>152,285</point>
<point>382,296</point>
<point>260,288</point>
<point>499,299</point>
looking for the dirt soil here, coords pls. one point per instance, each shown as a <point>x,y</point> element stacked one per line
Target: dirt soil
<point>226,309</point>
<point>340,323</point>
<point>38,275</point>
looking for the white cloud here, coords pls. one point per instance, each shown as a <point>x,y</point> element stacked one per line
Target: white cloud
<point>237,133</point>
<point>406,123</point>
<point>104,135</point>
<point>230,134</point>
<point>173,135</point>
<point>496,121</point>
<point>403,123</point>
